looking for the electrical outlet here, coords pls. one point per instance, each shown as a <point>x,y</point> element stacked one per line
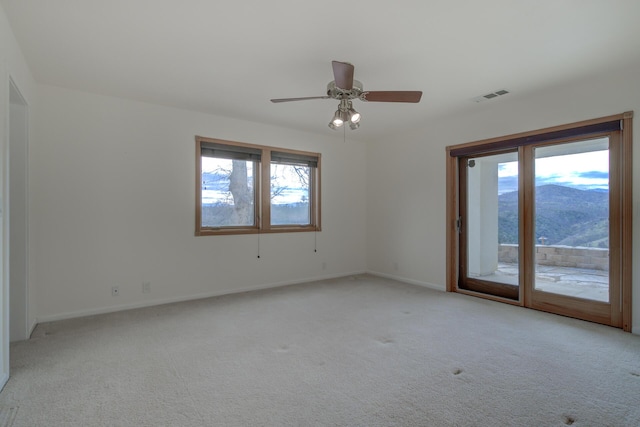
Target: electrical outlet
<point>324,265</point>
<point>146,287</point>
<point>115,291</point>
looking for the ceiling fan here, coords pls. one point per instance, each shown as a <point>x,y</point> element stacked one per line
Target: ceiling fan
<point>344,88</point>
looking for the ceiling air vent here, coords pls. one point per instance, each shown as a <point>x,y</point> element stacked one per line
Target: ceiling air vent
<point>491,95</point>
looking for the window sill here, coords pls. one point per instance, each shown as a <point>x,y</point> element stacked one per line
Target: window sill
<point>274,229</point>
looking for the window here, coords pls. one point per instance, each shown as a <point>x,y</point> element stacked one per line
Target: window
<point>291,184</point>
<point>244,188</point>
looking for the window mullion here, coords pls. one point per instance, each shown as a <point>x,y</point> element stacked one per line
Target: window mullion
<point>264,192</point>
<point>526,208</point>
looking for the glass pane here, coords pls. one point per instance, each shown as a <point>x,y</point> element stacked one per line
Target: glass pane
<point>572,219</point>
<point>227,193</point>
<point>290,194</point>
<point>492,226</point>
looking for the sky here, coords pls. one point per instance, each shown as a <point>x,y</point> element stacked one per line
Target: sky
<point>291,190</point>
<point>584,171</point>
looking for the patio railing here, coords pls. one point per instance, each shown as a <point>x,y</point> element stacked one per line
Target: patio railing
<point>560,256</point>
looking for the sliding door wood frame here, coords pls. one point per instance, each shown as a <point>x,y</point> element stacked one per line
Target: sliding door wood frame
<point>503,291</point>
<point>453,229</point>
<point>526,214</point>
<point>623,316</point>
<point>627,220</point>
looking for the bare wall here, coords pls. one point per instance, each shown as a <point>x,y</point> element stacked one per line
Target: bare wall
<point>113,186</point>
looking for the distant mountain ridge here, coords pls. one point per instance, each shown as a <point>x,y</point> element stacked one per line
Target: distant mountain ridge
<point>564,216</point>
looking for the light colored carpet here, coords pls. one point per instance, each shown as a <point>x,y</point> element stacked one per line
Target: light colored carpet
<point>7,416</point>
<point>357,351</point>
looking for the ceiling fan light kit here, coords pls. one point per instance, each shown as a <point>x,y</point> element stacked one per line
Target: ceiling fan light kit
<point>344,88</point>
<point>354,116</point>
<point>345,113</point>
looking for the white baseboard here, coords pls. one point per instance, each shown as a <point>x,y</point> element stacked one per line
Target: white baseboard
<point>161,301</point>
<point>407,280</point>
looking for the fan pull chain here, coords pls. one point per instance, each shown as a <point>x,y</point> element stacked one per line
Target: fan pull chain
<point>315,240</point>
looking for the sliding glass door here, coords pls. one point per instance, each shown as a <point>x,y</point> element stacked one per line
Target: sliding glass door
<point>540,222</point>
<point>576,225</point>
<point>489,242</point>
<point>572,219</point>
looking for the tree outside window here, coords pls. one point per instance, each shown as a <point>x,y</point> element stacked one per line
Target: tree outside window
<point>231,199</point>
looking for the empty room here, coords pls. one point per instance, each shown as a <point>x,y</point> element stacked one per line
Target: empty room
<point>286,213</point>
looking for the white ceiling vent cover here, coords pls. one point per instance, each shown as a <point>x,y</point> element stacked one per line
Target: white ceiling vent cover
<point>491,95</point>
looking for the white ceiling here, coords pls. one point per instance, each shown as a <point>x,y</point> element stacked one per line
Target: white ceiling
<point>230,57</point>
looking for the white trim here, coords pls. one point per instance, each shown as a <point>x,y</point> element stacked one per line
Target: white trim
<point>407,280</point>
<point>13,87</point>
<point>3,381</point>
<point>4,279</point>
<point>91,312</point>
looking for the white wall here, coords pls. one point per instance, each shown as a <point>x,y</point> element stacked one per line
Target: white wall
<point>113,204</point>
<point>406,185</point>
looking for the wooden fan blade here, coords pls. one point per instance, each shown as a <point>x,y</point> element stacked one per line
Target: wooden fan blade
<point>299,99</point>
<point>343,74</point>
<point>392,96</point>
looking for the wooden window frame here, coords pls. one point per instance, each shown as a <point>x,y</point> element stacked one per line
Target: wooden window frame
<point>262,192</point>
<point>557,133</point>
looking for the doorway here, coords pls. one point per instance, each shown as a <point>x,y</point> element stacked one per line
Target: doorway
<point>543,220</point>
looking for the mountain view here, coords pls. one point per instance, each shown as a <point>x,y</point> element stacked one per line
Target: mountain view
<point>564,216</point>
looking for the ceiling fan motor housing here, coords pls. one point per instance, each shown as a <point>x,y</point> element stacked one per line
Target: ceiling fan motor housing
<point>337,93</point>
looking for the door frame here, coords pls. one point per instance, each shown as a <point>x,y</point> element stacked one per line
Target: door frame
<point>557,134</point>
<point>17,185</point>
